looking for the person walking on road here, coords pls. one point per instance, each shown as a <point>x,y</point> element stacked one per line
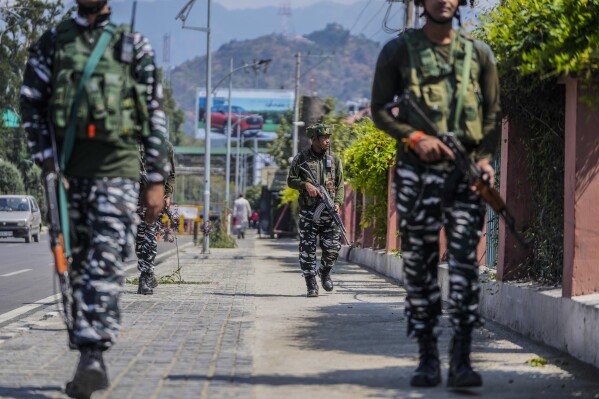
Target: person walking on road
<point>91,88</point>
<point>453,78</point>
<point>146,242</point>
<point>313,225</point>
<point>241,212</point>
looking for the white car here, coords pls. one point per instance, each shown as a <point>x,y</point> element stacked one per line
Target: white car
<point>20,216</point>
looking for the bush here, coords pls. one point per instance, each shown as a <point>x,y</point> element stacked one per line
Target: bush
<point>11,181</point>
<point>366,163</point>
<point>219,237</point>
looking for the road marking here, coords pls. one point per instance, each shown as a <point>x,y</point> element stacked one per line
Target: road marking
<point>15,273</point>
<point>27,308</point>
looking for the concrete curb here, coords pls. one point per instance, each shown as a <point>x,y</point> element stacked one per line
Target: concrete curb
<point>569,325</point>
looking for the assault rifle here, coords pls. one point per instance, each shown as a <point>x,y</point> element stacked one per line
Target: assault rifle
<point>327,203</point>
<point>52,180</point>
<point>476,177</point>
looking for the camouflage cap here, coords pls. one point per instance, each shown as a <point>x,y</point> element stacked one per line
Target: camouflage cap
<point>318,129</point>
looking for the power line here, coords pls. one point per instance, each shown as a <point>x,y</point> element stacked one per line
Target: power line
<point>360,15</point>
<point>373,17</point>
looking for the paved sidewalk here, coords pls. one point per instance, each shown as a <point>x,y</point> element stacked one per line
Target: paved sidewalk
<point>240,326</point>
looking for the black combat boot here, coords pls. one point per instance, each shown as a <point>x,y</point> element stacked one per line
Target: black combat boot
<point>312,287</point>
<point>428,373</point>
<point>144,287</point>
<point>461,374</point>
<point>325,279</point>
<point>152,280</point>
<point>90,375</point>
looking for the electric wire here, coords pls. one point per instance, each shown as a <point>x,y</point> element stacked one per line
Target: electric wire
<point>360,15</point>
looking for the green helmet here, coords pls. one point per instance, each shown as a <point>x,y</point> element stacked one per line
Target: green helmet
<point>318,129</point>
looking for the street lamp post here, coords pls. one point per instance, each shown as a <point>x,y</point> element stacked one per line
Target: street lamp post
<point>183,14</point>
<point>254,65</point>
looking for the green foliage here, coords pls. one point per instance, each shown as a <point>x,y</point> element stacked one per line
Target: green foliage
<point>23,26</point>
<point>546,37</point>
<point>538,362</point>
<point>280,148</point>
<point>220,239</point>
<point>175,116</point>
<point>11,181</point>
<point>526,37</point>
<point>366,164</point>
<point>252,194</point>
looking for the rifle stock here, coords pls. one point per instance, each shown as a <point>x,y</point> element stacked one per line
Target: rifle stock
<point>329,204</point>
<point>61,265</point>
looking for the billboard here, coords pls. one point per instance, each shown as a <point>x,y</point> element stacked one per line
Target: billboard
<point>255,113</point>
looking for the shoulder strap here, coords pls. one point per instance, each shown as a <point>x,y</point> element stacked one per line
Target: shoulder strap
<point>92,62</point>
<point>67,146</point>
<point>464,84</point>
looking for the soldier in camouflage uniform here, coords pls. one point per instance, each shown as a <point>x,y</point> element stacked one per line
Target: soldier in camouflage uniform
<point>313,224</point>
<point>432,63</point>
<point>146,243</point>
<point>119,106</point>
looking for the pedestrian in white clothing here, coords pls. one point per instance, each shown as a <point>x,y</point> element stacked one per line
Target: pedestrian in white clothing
<point>241,212</point>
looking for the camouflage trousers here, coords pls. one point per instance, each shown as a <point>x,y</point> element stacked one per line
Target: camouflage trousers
<point>310,230</point>
<point>427,198</point>
<point>146,244</point>
<point>103,223</point>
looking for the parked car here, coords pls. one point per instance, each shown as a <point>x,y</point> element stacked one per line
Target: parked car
<point>249,122</point>
<point>20,217</point>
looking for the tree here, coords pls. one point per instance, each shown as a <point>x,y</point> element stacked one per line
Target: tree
<point>25,21</point>
<point>11,181</point>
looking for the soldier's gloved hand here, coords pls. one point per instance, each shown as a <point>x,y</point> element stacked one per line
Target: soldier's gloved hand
<point>429,148</point>
<point>153,200</point>
<point>312,190</point>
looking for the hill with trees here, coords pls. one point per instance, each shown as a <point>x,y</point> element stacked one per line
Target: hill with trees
<point>334,63</point>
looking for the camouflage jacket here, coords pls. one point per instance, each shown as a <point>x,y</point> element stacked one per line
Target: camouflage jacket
<point>329,175</point>
<point>37,91</point>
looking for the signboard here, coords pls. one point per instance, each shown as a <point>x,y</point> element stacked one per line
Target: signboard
<point>255,113</point>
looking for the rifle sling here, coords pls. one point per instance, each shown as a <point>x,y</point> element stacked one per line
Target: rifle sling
<point>69,139</point>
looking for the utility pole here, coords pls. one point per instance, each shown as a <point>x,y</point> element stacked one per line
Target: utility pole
<point>298,58</point>
<point>410,14</point>
<point>228,157</point>
<point>183,14</point>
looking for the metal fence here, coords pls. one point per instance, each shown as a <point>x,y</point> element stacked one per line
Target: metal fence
<point>492,238</point>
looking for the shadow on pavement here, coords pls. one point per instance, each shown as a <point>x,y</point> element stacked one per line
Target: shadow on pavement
<point>29,392</point>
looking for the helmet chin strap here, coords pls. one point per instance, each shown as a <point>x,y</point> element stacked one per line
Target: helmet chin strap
<point>90,10</point>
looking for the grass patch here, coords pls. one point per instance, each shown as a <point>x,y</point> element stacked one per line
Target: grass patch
<point>538,362</point>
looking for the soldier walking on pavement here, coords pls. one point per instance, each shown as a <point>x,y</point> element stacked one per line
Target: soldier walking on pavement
<point>92,86</point>
<point>453,78</point>
<point>146,242</point>
<point>327,168</point>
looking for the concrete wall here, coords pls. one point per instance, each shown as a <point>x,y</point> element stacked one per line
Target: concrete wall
<point>570,325</point>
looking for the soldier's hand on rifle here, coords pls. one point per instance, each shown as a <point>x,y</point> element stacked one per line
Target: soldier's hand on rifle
<point>312,190</point>
<point>337,209</point>
<point>429,148</point>
<point>153,200</point>
<point>167,202</point>
<point>488,173</point>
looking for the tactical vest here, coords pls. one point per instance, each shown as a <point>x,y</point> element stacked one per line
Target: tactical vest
<point>437,83</point>
<point>323,174</point>
<point>113,106</point>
